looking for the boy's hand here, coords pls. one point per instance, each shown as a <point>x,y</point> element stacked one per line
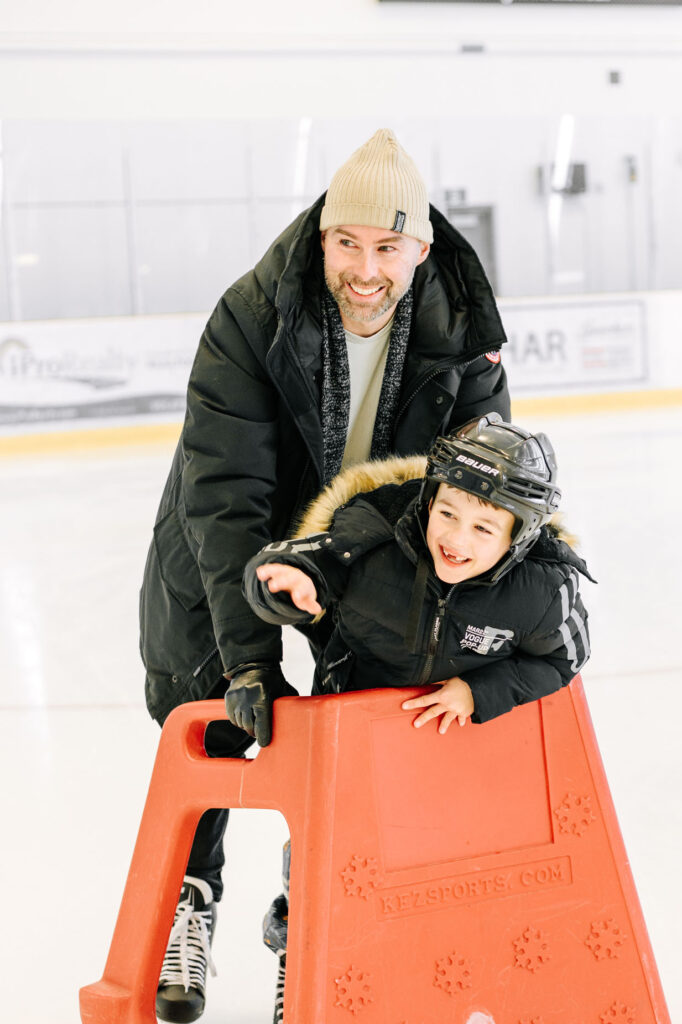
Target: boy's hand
<point>453,700</point>
<point>297,584</point>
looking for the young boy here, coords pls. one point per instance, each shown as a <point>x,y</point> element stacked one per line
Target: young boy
<point>453,579</point>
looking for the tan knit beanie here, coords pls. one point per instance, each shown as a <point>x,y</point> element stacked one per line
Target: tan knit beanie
<point>379,187</point>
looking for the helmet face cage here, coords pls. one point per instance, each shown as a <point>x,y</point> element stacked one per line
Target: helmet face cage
<point>501,464</point>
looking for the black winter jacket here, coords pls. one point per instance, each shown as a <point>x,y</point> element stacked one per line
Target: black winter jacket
<point>250,454</point>
<point>513,641</point>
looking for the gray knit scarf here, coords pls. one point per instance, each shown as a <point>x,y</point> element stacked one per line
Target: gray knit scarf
<point>336,383</point>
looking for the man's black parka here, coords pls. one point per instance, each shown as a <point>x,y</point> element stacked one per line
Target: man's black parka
<point>250,454</point>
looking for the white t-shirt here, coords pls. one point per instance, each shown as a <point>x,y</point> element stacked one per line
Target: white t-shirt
<point>366,364</point>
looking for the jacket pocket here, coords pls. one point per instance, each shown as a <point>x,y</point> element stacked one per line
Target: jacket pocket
<point>177,564</point>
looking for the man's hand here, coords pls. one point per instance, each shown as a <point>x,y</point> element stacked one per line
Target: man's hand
<point>453,700</point>
<point>297,584</point>
<point>252,692</point>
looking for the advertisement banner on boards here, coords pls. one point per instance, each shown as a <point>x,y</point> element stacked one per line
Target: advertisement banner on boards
<point>88,370</point>
<point>571,346</point>
<point>83,372</point>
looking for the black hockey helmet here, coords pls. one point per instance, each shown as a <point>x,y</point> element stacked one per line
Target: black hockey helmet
<point>503,464</point>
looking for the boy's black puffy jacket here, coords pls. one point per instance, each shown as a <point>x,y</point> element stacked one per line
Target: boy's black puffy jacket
<point>513,642</point>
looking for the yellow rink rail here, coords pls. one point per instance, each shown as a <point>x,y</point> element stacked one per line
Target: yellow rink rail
<point>166,434</point>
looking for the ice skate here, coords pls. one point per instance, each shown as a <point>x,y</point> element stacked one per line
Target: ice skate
<point>180,997</point>
<point>275,930</point>
<point>278,1017</point>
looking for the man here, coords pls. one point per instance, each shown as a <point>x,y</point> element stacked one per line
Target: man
<point>368,328</point>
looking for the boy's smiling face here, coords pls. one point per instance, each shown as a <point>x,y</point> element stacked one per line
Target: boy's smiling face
<point>465,536</point>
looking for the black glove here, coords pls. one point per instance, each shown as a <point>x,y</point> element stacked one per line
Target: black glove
<point>253,690</point>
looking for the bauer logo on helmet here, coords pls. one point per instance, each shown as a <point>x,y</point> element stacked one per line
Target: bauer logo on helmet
<point>482,467</point>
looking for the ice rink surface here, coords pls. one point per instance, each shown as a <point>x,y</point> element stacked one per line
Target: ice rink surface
<point>77,743</point>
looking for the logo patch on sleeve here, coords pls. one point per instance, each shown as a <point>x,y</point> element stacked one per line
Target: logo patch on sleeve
<point>493,357</point>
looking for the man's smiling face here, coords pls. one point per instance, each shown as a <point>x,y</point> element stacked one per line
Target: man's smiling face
<point>368,270</point>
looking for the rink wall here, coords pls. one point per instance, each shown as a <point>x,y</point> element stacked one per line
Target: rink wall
<point>131,372</point>
<point>204,59</point>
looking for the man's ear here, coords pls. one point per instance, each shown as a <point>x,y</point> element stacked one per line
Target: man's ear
<point>323,238</point>
<point>424,251</point>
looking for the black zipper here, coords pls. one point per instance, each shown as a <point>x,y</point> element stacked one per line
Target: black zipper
<point>204,663</point>
<point>434,636</point>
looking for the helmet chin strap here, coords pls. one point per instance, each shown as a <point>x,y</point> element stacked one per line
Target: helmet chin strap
<point>516,553</point>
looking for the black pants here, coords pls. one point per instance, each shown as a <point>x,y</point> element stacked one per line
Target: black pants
<point>206,858</point>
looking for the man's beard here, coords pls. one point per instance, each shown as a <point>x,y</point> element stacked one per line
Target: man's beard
<point>363,312</point>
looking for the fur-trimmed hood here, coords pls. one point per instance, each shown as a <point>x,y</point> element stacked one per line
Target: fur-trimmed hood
<point>368,476</point>
<point>358,479</point>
